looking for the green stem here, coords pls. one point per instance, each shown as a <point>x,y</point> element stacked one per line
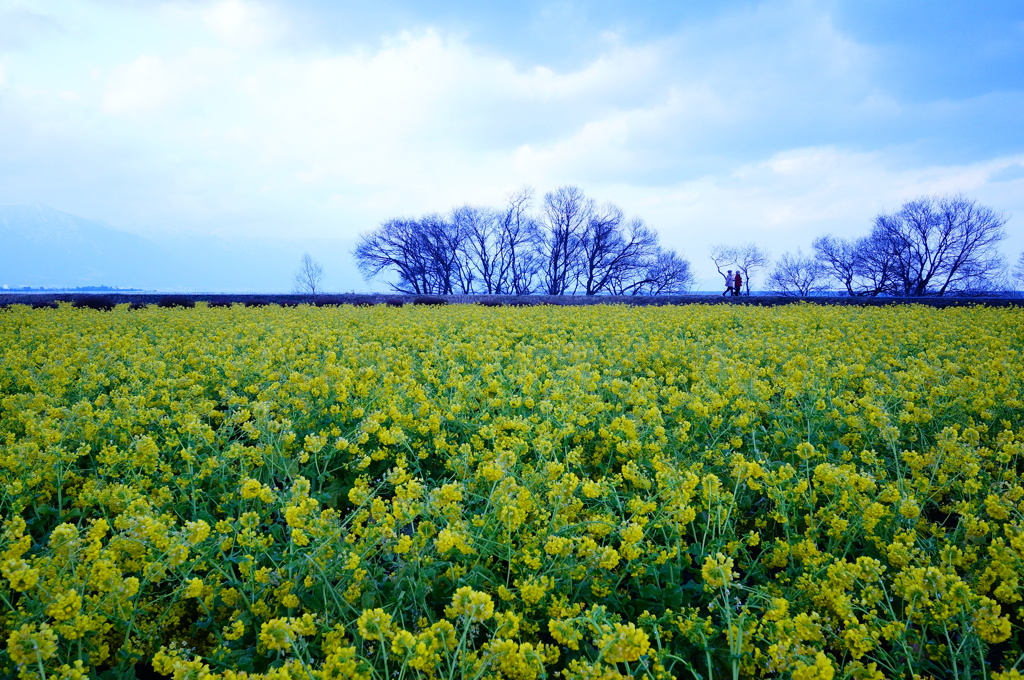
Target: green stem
<point>39,660</point>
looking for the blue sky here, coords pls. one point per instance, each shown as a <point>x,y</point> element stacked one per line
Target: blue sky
<point>726,122</point>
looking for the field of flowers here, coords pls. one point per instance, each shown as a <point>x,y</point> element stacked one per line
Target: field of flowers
<point>468,492</point>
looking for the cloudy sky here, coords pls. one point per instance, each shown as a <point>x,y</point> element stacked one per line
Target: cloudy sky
<point>724,122</point>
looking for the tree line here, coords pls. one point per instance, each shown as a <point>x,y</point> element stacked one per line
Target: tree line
<point>931,246</point>
<point>572,246</point>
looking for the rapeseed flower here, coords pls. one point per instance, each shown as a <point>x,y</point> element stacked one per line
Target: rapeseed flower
<point>343,492</point>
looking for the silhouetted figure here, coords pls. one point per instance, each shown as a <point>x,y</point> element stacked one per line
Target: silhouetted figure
<point>737,288</point>
<point>729,280</point>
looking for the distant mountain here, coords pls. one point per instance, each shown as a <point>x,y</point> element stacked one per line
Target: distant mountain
<point>42,246</point>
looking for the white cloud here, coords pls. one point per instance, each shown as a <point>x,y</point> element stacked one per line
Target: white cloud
<point>242,24</point>
<point>149,83</point>
<point>238,24</point>
<point>425,117</point>
<point>619,71</point>
<point>625,141</point>
<point>421,117</point>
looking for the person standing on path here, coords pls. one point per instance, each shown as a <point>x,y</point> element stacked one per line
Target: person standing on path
<point>737,288</point>
<point>728,283</point>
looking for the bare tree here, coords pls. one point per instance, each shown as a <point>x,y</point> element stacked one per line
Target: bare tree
<point>520,245</point>
<point>941,245</point>
<point>747,259</point>
<point>798,275</point>
<point>1018,271</point>
<point>610,253</point>
<point>861,266</point>
<point>481,254</point>
<point>668,273</point>
<point>500,247</point>
<point>396,246</point>
<point>567,213</point>
<point>838,256</point>
<point>600,242</point>
<point>442,242</point>
<point>427,255</point>
<point>309,275</point>
<point>665,273</point>
<point>722,256</point>
<point>750,258</point>
<point>593,250</point>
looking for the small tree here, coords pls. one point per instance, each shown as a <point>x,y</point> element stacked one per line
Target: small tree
<point>1018,272</point>
<point>309,275</point>
<point>798,275</point>
<point>746,258</point>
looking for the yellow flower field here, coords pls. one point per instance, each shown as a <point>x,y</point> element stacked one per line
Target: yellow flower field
<point>468,492</point>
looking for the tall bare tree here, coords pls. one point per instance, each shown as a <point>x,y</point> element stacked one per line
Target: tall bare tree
<point>567,214</point>
<point>519,246</point>
<point>481,254</point>
<point>500,248</point>
<point>611,253</point>
<point>1018,272</point>
<point>396,246</point>
<point>443,242</point>
<point>798,275</point>
<point>941,245</point>
<point>309,275</point>
<point>861,266</point>
<point>427,255</point>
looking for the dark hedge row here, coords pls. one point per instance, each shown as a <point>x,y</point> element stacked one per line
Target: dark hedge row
<point>136,301</point>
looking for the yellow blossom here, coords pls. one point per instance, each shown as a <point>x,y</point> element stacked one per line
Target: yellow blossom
<point>471,604</point>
